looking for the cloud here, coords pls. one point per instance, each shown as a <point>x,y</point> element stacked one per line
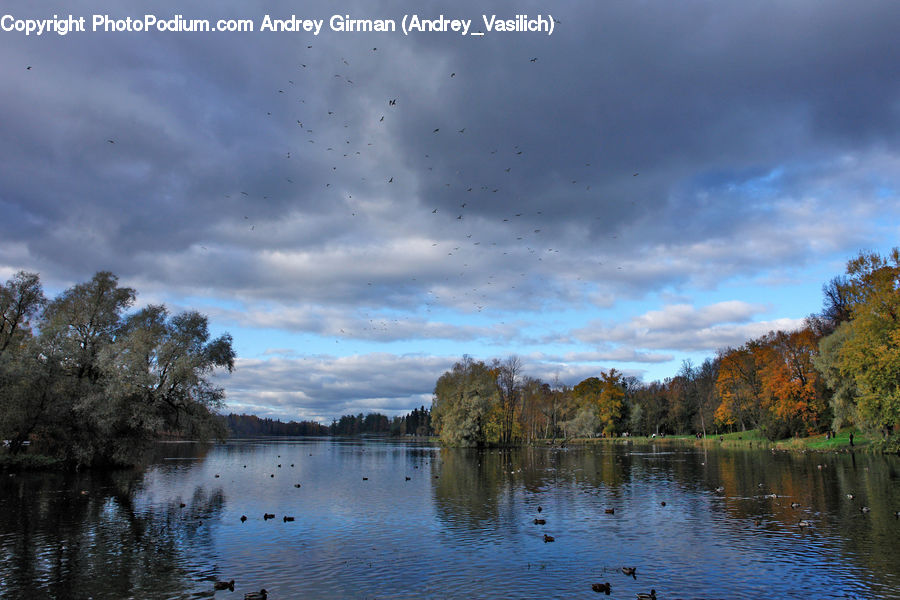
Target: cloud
<point>685,328</point>
<point>323,387</point>
<point>649,152</point>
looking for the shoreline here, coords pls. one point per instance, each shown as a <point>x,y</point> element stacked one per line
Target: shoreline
<point>746,440</point>
<point>749,440</point>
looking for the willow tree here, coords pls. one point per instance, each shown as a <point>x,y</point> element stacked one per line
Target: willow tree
<point>94,384</point>
<point>464,397</point>
<point>156,380</point>
<point>862,358</point>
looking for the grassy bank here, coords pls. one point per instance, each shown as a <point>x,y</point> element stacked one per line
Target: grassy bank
<point>753,439</point>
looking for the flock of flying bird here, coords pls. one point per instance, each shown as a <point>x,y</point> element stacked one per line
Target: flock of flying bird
<point>462,233</point>
<point>489,255</point>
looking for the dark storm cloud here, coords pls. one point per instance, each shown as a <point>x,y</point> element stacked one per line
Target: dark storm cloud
<point>697,100</point>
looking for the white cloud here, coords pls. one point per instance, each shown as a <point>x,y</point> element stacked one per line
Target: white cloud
<point>685,328</point>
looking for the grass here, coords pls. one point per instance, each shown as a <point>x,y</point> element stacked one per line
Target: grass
<point>753,439</point>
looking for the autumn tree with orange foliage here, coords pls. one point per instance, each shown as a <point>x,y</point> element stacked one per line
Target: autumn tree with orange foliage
<point>739,386</point>
<point>792,390</point>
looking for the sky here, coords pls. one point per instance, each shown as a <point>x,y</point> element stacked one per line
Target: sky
<point>647,183</point>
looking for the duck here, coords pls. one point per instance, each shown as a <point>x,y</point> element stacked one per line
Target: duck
<point>540,509</point>
<point>802,523</point>
<point>851,496</point>
<point>296,485</point>
<point>650,596</point>
<point>260,595</point>
<point>601,587</point>
<point>288,519</point>
<point>224,585</point>
<point>864,509</point>
<point>630,571</point>
<point>720,489</point>
<point>663,503</point>
<point>267,516</point>
<point>540,521</point>
<point>610,511</point>
<point>243,518</point>
<point>549,538</point>
<point>795,505</point>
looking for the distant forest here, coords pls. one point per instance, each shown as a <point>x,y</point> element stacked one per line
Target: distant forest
<point>417,422</point>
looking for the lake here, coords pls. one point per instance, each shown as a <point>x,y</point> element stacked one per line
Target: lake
<point>399,519</point>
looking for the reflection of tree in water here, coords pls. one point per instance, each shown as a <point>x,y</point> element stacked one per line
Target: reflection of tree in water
<point>81,536</point>
<point>196,451</point>
<point>476,488</point>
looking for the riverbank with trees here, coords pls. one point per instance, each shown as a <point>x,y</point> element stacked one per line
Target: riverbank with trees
<point>840,372</point>
<point>85,381</point>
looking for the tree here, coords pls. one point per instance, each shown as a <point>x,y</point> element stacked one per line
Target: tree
<point>838,304</point>
<point>156,379</point>
<point>84,319</point>
<point>21,298</point>
<point>463,399</point>
<point>792,396</point>
<point>95,385</point>
<point>739,386</point>
<point>605,396</point>
<point>867,347</point>
<point>508,374</point>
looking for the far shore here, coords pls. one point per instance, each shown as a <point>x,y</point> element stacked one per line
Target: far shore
<point>739,440</point>
<point>751,439</point>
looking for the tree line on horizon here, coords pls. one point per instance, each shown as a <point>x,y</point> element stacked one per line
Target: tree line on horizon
<point>841,368</point>
<point>416,422</point>
<point>85,381</point>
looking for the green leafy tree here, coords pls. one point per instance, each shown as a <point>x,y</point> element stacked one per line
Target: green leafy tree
<point>866,349</point>
<point>94,385</point>
<point>464,397</point>
<point>21,298</point>
<point>605,396</point>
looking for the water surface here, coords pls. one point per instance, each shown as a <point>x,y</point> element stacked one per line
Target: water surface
<point>388,519</point>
